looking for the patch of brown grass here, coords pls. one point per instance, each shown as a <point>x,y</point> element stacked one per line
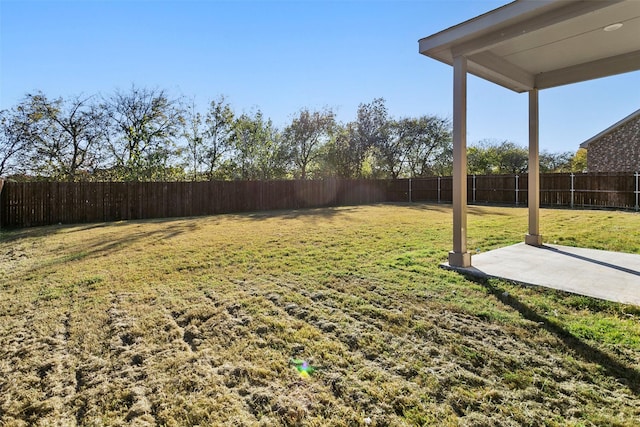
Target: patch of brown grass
<point>195,321</point>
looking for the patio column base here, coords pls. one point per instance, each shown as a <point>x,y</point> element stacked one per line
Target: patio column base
<point>533,239</point>
<point>460,259</point>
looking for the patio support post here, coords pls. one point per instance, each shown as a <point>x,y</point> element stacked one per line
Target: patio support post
<point>533,237</point>
<point>459,257</point>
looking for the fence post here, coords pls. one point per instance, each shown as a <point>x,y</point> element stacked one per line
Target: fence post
<point>637,191</point>
<point>439,189</point>
<point>572,189</point>
<point>517,189</point>
<point>410,198</point>
<point>2,185</point>
<point>474,188</point>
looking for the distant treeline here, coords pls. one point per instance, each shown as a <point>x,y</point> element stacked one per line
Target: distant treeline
<point>146,135</point>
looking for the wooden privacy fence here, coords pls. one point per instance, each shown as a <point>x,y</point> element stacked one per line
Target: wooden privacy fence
<point>24,204</point>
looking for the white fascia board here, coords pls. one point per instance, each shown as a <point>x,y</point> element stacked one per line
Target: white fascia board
<point>444,40</point>
<point>544,19</point>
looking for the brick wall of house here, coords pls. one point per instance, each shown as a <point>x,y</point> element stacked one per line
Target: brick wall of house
<point>617,151</point>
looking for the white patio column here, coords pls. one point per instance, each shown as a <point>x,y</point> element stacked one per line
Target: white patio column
<point>459,257</point>
<point>533,237</point>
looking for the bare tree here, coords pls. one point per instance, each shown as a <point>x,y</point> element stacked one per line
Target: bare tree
<point>14,138</point>
<point>67,136</point>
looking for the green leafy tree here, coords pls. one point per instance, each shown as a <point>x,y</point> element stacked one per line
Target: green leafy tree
<point>305,137</point>
<point>481,160</point>
<point>193,134</point>
<point>273,159</point>
<point>512,159</point>
<point>244,134</point>
<point>503,157</point>
<point>372,130</point>
<point>339,156</point>
<point>145,124</point>
<point>555,162</point>
<point>428,145</point>
<point>391,151</point>
<point>217,141</point>
<point>579,161</point>
<point>259,152</point>
<point>354,143</point>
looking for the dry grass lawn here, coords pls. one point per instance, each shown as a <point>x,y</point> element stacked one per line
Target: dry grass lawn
<point>196,321</point>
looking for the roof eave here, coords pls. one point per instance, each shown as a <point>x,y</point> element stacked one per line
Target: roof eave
<point>491,20</point>
<point>474,39</point>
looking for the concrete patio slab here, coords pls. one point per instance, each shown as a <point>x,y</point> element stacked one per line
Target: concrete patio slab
<point>611,276</point>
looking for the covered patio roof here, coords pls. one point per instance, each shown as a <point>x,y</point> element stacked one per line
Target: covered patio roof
<point>526,46</point>
<point>540,44</point>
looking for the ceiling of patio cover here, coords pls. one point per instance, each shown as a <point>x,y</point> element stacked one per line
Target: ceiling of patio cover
<point>540,44</point>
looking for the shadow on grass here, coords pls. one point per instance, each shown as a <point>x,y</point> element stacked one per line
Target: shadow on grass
<point>612,367</point>
<point>312,212</point>
<point>13,234</point>
<point>105,244</point>
<point>478,209</point>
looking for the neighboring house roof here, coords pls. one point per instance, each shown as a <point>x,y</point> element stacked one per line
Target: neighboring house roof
<point>611,128</point>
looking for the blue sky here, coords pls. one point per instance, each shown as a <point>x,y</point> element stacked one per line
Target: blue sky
<point>280,56</point>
